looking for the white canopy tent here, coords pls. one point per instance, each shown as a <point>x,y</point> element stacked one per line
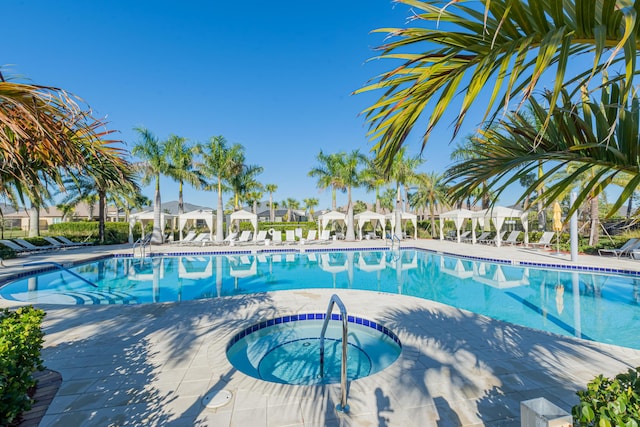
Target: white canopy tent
<point>404,217</point>
<point>477,217</point>
<point>190,217</point>
<point>457,216</point>
<point>147,216</point>
<point>243,215</point>
<point>331,216</point>
<point>367,216</point>
<point>498,214</point>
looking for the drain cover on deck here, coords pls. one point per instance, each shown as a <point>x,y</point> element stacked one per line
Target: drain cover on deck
<point>216,399</point>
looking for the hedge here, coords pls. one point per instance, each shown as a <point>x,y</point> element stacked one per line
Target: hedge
<point>20,343</point>
<point>114,232</point>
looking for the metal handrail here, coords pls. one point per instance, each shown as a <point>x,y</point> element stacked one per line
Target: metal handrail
<point>335,300</point>
<point>142,243</point>
<point>59,266</point>
<point>393,238</point>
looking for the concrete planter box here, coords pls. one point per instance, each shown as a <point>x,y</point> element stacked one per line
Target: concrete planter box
<point>542,413</point>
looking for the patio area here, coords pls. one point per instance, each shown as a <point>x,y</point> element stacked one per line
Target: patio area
<point>152,364</point>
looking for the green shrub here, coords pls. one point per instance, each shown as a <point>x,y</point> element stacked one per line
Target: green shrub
<point>608,402</point>
<point>20,344</point>
<point>114,232</point>
<point>6,253</point>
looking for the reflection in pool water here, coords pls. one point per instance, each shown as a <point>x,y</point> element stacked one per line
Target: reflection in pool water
<point>596,306</point>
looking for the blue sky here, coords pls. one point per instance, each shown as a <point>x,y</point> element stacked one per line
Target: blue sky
<point>276,77</point>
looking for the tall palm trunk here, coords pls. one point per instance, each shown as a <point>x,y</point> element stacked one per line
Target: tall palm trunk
<point>595,222</point>
<point>272,212</point>
<point>219,213</point>
<point>334,205</point>
<point>378,207</point>
<point>34,220</point>
<point>351,235</point>
<point>102,196</point>
<point>156,236</point>
<point>398,214</point>
<point>180,199</point>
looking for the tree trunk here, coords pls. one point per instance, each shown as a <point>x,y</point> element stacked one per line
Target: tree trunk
<point>219,214</point>
<point>272,212</point>
<point>398,217</point>
<point>34,220</point>
<point>101,216</point>
<point>333,199</point>
<point>595,222</point>
<point>378,207</point>
<point>351,235</point>
<point>156,236</point>
<point>180,200</point>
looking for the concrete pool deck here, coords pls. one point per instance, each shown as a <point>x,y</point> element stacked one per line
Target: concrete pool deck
<point>152,364</point>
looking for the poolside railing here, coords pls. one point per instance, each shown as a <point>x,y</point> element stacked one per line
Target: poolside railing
<point>335,300</point>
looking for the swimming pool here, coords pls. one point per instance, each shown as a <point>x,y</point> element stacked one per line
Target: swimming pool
<point>590,305</point>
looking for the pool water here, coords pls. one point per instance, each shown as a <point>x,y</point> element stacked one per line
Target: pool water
<point>289,353</point>
<point>595,306</point>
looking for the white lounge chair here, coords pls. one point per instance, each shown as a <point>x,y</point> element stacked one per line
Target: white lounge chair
<point>277,237</point>
<point>33,247</point>
<point>545,240</point>
<point>512,239</point>
<point>58,244</point>
<point>625,249</point>
<point>261,237</point>
<point>290,237</point>
<point>245,238</point>
<point>482,237</point>
<point>188,238</point>
<point>311,236</point>
<point>71,242</point>
<point>16,247</point>
<point>325,237</point>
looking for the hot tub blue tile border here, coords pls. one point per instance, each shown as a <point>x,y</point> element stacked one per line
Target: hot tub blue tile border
<point>311,316</point>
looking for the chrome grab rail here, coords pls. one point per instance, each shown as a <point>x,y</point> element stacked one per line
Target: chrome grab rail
<point>142,243</point>
<point>393,239</point>
<point>335,300</point>
<point>59,266</point>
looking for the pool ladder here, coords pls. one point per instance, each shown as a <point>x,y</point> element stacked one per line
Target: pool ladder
<point>142,243</point>
<point>335,300</point>
<point>395,237</point>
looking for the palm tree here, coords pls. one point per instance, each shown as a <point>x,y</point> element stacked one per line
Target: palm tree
<point>44,135</point>
<point>374,180</point>
<point>271,188</point>
<point>510,48</point>
<point>153,154</point>
<point>349,176</point>
<point>100,178</point>
<point>326,171</point>
<point>253,198</point>
<point>291,204</point>
<point>431,192</point>
<point>577,135</point>
<point>403,172</point>
<point>465,151</point>
<point>181,166</point>
<point>388,199</point>
<point>310,204</point>
<point>219,161</point>
<point>244,181</point>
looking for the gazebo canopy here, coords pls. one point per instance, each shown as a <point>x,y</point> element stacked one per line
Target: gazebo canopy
<point>145,217</point>
<point>458,216</point>
<point>497,215</point>
<point>327,218</point>
<point>367,216</point>
<point>205,214</point>
<point>243,215</point>
<point>404,217</point>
